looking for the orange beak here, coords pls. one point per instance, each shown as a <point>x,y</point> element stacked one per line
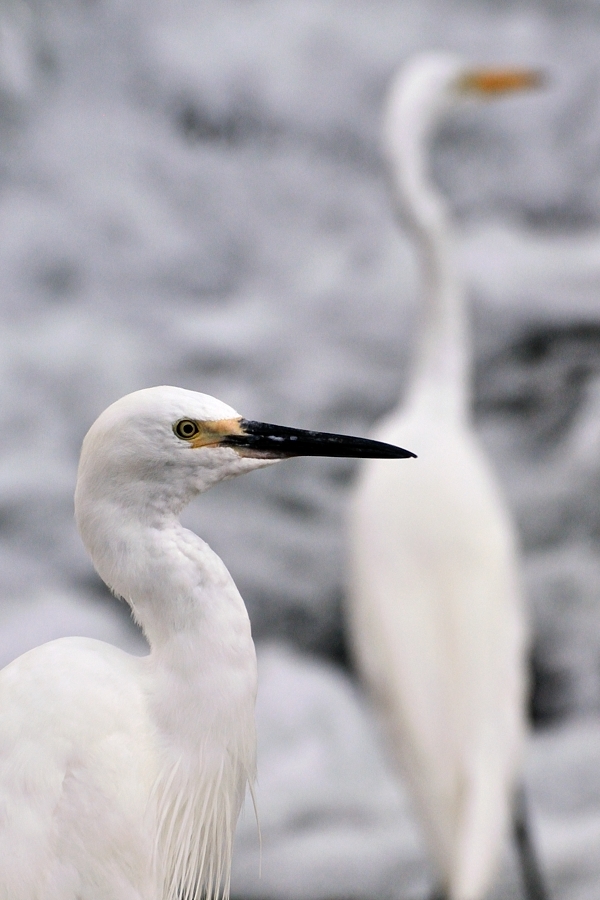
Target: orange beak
<point>492,82</point>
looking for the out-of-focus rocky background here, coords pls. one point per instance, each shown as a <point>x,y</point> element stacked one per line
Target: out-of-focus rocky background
<point>192,192</point>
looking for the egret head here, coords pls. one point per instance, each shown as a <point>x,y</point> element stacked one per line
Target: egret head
<point>155,449</point>
<point>429,84</point>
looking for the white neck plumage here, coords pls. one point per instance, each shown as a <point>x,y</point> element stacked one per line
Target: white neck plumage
<point>202,654</point>
<point>440,381</point>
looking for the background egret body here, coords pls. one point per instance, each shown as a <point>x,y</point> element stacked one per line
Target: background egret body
<point>121,778</point>
<point>436,612</point>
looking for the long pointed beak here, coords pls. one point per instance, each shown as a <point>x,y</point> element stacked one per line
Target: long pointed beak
<point>260,439</point>
<point>495,82</point>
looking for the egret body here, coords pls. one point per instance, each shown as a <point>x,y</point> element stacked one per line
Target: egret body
<point>435,607</point>
<point>121,778</point>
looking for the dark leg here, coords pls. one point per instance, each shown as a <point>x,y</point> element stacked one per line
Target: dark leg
<point>533,883</point>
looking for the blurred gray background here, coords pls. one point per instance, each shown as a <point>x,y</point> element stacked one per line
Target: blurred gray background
<point>192,192</point>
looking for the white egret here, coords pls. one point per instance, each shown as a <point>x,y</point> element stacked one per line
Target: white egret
<point>121,777</point>
<point>435,606</point>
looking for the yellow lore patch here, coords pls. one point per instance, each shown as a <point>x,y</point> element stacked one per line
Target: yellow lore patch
<point>216,431</point>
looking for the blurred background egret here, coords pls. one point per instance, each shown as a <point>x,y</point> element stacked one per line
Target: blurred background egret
<point>436,614</point>
<point>194,193</point>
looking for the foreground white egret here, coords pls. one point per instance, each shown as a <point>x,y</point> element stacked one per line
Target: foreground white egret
<point>121,778</point>
<point>435,604</point>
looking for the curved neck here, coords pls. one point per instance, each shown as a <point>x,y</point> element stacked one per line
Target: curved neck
<point>440,379</point>
<point>199,681</point>
<point>180,592</point>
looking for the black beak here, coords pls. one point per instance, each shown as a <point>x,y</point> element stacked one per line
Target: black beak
<point>279,442</point>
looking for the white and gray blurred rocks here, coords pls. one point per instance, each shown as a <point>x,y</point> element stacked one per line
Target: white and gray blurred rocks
<point>336,820</point>
<point>193,193</point>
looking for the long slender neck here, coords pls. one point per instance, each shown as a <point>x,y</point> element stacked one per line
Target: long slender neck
<point>179,590</point>
<point>441,375</point>
<point>199,680</point>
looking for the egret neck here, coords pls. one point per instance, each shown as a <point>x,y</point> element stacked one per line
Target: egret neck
<point>440,380</point>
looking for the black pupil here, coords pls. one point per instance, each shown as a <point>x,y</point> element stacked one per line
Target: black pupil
<point>187,429</point>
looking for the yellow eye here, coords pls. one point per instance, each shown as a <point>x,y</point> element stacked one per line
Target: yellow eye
<point>186,429</point>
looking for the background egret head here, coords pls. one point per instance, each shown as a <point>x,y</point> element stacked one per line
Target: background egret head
<point>422,93</point>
